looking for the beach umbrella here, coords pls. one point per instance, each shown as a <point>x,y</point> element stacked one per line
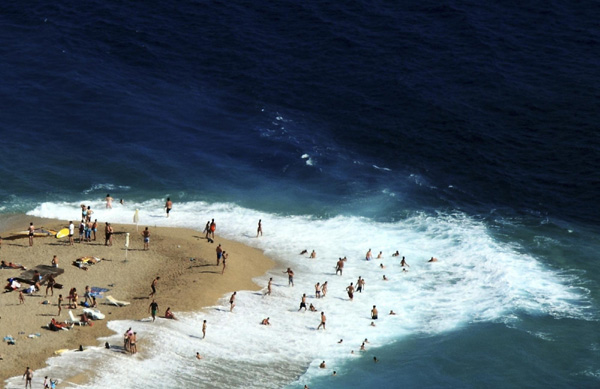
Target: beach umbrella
<point>136,218</point>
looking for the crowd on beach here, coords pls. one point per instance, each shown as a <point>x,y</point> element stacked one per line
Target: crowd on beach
<point>88,228</point>
<point>87,233</point>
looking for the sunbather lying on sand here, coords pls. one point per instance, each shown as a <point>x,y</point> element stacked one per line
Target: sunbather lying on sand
<point>11,265</point>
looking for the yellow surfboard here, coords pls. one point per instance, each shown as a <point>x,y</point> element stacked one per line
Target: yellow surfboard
<point>62,233</point>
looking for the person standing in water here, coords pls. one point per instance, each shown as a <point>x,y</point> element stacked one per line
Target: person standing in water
<point>153,308</point>
<point>323,320</point>
<point>28,376</point>
<point>213,227</point>
<point>109,201</point>
<point>259,230</point>
<point>232,301</point>
<point>168,205</point>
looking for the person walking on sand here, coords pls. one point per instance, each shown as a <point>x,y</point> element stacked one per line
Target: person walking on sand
<point>219,251</point>
<point>168,205</point>
<point>153,286</point>
<point>28,376</point>
<point>259,230</point>
<point>107,234</point>
<point>60,302</point>
<point>323,320</point>
<point>207,229</point>
<point>225,255</point>
<point>213,228</point>
<point>232,301</point>
<point>146,235</point>
<point>31,230</point>
<point>54,261</point>
<point>21,297</point>
<point>204,329</point>
<point>71,232</point>
<point>109,201</point>
<point>153,307</point>
<point>50,285</point>
<point>95,228</point>
<point>290,274</point>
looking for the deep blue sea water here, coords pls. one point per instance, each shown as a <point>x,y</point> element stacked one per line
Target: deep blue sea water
<point>380,112</point>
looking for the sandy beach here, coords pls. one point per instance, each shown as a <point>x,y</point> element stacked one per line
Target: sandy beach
<point>184,285</point>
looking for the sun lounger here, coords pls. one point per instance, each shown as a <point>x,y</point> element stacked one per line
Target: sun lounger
<point>116,302</point>
<point>93,313</point>
<point>73,320</point>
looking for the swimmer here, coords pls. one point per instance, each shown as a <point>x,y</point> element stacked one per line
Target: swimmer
<point>380,255</point>
<point>381,266</point>
<point>334,373</point>
<point>312,308</point>
<point>322,365</point>
<point>373,324</point>
<point>341,340</point>
<point>375,359</point>
<point>404,270</point>
<point>433,259</point>
<point>265,322</point>
<point>392,312</point>
<point>303,252</point>
<point>385,278</point>
<point>362,347</point>
<point>374,312</point>
<point>396,254</point>
<point>198,356</point>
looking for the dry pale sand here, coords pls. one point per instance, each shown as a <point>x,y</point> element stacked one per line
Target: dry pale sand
<point>129,280</point>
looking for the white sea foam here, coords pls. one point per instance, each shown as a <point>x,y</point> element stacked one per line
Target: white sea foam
<point>106,187</point>
<point>476,280</point>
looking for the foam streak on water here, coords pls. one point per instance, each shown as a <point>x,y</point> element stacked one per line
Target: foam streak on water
<point>476,279</point>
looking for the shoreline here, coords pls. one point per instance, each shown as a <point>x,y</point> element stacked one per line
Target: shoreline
<point>168,257</point>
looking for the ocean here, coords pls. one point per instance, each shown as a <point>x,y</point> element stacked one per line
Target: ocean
<point>460,130</point>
